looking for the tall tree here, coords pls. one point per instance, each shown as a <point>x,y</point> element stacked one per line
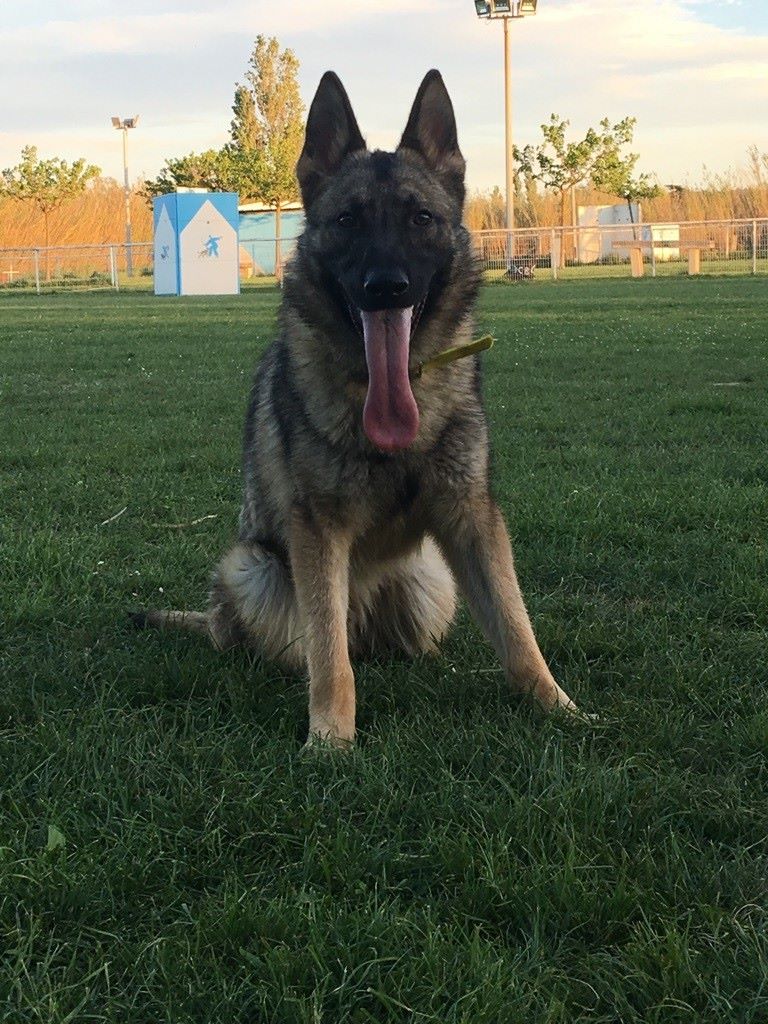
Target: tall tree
<point>266,136</point>
<point>46,185</point>
<point>245,130</point>
<point>268,125</point>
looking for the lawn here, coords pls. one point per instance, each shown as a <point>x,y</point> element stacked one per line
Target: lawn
<point>168,854</point>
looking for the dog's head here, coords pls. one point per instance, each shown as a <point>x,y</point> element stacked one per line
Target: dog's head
<point>384,229</point>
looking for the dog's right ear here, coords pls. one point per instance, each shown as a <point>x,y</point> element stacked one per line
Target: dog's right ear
<point>332,134</point>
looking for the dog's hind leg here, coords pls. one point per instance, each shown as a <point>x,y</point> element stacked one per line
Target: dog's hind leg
<point>253,601</point>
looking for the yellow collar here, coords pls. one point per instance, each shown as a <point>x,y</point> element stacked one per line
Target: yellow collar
<point>457,352</point>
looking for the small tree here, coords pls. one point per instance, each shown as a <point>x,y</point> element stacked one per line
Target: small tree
<point>46,185</point>
<point>558,164</point>
<point>614,173</point>
<point>219,170</point>
<point>211,169</point>
<point>267,130</point>
<point>562,166</point>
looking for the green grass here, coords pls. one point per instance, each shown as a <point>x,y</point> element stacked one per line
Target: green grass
<point>168,854</point>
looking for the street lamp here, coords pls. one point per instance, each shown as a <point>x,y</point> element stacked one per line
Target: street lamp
<point>507,9</point>
<point>123,126</point>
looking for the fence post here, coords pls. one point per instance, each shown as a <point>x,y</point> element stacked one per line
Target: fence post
<point>552,260</point>
<point>113,268</point>
<point>653,252</point>
<point>37,270</point>
<point>754,246</point>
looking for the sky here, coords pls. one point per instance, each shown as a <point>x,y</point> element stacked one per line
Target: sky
<point>693,72</point>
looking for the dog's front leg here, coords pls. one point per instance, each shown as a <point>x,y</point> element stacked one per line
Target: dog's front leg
<point>319,555</point>
<point>476,545</point>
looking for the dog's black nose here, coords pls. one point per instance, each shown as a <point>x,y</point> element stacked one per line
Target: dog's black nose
<point>385,285</point>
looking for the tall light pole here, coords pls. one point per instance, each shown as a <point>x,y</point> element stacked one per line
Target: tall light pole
<point>507,10</point>
<point>123,126</point>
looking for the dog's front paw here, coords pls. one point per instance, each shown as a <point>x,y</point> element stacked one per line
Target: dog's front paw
<point>575,714</point>
<point>317,744</point>
<point>330,735</point>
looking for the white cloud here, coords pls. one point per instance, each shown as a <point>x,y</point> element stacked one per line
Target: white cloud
<point>699,91</point>
<point>158,31</point>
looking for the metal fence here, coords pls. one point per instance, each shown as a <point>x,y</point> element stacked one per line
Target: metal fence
<point>75,266</point>
<point>695,247</point>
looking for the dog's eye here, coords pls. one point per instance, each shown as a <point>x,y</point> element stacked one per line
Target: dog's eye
<point>422,217</point>
<point>345,220</point>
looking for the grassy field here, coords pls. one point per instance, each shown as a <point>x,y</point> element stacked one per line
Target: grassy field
<point>168,854</point>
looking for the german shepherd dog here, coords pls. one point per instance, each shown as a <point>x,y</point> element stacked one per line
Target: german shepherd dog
<point>366,483</point>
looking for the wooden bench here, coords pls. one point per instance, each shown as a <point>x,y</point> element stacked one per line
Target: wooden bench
<point>636,248</point>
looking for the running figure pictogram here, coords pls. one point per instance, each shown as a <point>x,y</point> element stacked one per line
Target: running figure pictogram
<point>211,247</point>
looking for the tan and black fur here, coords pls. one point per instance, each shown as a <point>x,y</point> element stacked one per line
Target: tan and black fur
<point>344,550</point>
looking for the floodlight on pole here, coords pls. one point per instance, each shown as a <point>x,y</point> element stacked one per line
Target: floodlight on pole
<point>507,10</point>
<point>123,126</point>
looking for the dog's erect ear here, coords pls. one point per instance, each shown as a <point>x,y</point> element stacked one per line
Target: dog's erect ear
<point>431,132</point>
<point>332,134</point>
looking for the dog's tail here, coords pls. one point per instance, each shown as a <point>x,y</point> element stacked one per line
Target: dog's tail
<point>195,622</point>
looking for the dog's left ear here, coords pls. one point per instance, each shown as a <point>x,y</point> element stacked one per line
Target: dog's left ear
<point>431,132</point>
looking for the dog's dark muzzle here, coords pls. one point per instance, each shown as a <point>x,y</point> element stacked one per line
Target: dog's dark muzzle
<point>386,288</point>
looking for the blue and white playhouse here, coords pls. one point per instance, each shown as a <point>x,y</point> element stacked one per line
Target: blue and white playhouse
<point>196,245</point>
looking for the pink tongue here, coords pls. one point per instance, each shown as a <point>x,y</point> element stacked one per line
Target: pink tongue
<point>390,416</point>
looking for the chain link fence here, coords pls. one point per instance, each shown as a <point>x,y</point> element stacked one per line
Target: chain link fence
<point>76,267</point>
<point>694,247</point>
<point>525,254</point>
